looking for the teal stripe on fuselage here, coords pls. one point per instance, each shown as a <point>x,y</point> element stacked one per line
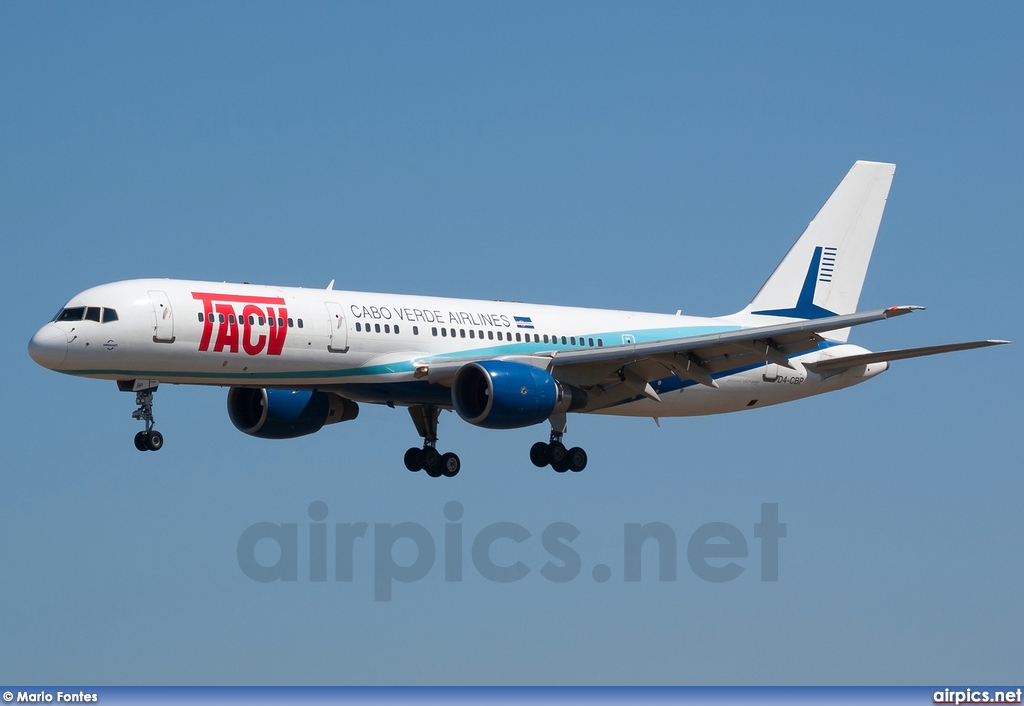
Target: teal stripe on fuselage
<point>400,367</point>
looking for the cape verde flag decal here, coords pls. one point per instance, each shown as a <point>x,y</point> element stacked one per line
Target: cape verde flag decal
<point>523,322</point>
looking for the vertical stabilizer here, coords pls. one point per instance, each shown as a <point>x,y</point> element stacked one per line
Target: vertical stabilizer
<point>823,273</point>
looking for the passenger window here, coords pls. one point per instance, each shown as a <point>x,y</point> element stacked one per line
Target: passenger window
<point>210,317</point>
<point>291,323</point>
<point>590,342</point>
<point>376,327</point>
<point>545,338</point>
<point>490,335</point>
<point>600,343</point>
<point>536,338</point>
<point>472,333</point>
<point>359,326</point>
<point>452,331</point>
<point>572,340</point>
<point>433,330</point>
<point>200,317</point>
<point>92,314</point>
<point>109,315</point>
<point>396,329</point>
<point>480,334</point>
<point>415,330</point>
<point>231,318</point>
<point>300,323</point>
<point>499,335</point>
<point>444,333</point>
<point>252,321</point>
<point>518,337</point>
<point>387,328</point>
<point>220,317</point>
<point>262,321</point>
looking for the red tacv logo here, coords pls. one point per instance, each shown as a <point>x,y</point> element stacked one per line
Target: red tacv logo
<point>219,312</point>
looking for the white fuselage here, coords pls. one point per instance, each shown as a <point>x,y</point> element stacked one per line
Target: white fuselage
<point>367,346</point>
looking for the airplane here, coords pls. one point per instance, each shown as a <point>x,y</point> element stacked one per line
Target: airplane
<point>297,359</point>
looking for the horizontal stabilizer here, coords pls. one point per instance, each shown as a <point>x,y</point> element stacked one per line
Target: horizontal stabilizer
<point>852,361</point>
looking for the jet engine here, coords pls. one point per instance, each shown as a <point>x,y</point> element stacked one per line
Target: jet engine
<point>286,414</point>
<point>499,394</point>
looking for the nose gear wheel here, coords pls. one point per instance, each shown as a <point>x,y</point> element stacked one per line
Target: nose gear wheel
<point>150,439</point>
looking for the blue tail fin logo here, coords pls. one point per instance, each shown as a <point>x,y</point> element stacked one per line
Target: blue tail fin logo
<point>820,270</point>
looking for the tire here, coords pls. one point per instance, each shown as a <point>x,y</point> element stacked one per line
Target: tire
<point>431,461</point>
<point>141,442</point>
<point>557,454</point>
<point>155,442</point>
<point>561,466</point>
<point>412,459</point>
<point>539,454</point>
<point>450,465</point>
<point>577,459</point>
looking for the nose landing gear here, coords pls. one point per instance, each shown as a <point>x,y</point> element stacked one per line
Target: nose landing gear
<point>150,439</point>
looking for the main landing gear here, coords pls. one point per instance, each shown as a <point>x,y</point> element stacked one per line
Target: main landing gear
<point>555,454</point>
<point>436,464</point>
<point>150,439</point>
<point>429,458</point>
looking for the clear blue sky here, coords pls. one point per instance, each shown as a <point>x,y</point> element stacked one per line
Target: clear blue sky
<point>651,156</point>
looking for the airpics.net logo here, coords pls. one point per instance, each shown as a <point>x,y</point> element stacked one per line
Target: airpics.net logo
<point>502,552</point>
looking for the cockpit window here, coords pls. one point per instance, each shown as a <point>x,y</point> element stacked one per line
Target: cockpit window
<point>75,313</point>
<point>91,313</point>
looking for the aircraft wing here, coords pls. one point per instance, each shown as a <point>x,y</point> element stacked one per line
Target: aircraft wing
<point>615,373</point>
<point>631,367</point>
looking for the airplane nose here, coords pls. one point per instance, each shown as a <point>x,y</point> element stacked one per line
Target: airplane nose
<point>49,347</point>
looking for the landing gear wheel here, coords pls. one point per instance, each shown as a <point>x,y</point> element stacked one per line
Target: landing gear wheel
<point>577,459</point>
<point>412,459</point>
<point>554,452</point>
<point>557,454</point>
<point>450,465</point>
<point>149,439</point>
<point>431,461</point>
<point>155,440</point>
<point>539,454</point>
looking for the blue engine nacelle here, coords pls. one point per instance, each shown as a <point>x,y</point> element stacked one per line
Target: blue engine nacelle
<point>500,394</point>
<point>286,414</point>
